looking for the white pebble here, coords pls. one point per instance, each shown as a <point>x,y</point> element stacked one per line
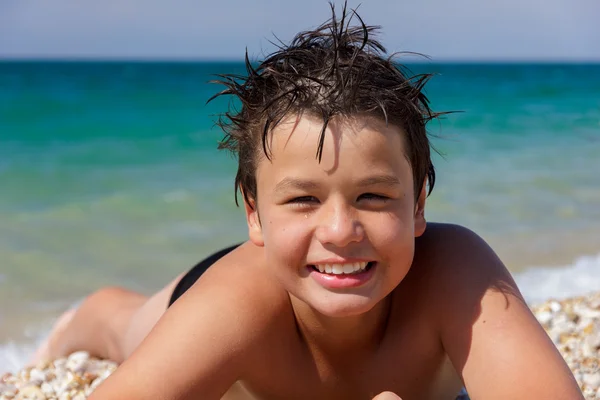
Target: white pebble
<point>555,306</point>
<point>544,317</point>
<point>592,380</point>
<point>30,393</point>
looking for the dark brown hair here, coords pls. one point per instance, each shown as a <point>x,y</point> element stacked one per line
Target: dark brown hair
<point>336,69</point>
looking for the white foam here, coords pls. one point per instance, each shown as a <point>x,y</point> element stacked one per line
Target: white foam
<point>15,355</point>
<point>541,283</point>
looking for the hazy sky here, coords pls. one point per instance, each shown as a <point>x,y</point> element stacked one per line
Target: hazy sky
<point>200,29</point>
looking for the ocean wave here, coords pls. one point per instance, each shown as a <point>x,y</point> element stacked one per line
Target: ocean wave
<point>579,278</point>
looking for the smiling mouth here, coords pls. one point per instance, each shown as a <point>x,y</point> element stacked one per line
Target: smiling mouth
<point>343,269</point>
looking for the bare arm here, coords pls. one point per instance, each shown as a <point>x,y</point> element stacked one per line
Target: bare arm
<point>488,331</point>
<point>200,347</point>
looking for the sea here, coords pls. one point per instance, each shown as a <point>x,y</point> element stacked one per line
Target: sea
<point>110,175</point>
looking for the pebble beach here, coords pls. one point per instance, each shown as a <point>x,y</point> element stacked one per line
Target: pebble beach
<point>574,327</point>
<point>573,324</point>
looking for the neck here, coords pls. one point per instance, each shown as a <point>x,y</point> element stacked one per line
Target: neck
<point>336,335</point>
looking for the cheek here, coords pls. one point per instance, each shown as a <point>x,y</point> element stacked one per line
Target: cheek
<point>285,237</point>
<point>393,235</point>
<point>388,233</point>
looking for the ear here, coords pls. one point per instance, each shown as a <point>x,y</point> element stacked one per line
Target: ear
<point>253,220</point>
<point>420,222</point>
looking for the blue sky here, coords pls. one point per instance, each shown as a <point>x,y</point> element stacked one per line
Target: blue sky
<point>198,29</point>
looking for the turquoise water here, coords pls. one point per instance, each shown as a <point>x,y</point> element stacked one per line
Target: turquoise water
<point>109,173</point>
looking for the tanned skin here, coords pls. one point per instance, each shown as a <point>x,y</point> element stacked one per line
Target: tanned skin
<point>440,311</point>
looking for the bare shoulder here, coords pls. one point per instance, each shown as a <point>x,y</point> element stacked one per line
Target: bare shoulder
<point>454,268</point>
<point>241,277</point>
<point>239,289</point>
<point>459,271</point>
<point>452,261</point>
<point>485,325</point>
<point>210,337</point>
<point>455,255</point>
<point>450,240</point>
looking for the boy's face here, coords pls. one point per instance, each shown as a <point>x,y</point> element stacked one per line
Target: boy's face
<point>356,206</point>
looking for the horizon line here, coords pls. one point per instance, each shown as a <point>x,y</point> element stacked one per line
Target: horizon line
<point>414,60</point>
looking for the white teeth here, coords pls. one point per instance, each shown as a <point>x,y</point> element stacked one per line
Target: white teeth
<point>340,269</point>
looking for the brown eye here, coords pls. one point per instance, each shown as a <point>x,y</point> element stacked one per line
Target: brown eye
<point>372,197</point>
<point>303,202</point>
<point>304,199</point>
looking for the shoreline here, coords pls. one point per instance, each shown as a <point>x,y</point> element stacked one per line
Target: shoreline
<point>572,323</point>
<point>29,305</point>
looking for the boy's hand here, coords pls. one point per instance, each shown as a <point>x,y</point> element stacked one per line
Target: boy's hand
<point>387,396</point>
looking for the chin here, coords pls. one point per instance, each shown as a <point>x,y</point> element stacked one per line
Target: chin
<point>343,305</point>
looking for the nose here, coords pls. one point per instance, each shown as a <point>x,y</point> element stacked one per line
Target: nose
<point>338,225</point>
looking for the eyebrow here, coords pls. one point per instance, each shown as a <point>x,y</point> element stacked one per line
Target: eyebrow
<point>302,184</point>
<point>295,183</point>
<point>388,180</point>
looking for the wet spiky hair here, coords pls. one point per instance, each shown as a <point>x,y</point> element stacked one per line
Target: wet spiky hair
<point>338,69</point>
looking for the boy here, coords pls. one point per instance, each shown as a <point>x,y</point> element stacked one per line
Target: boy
<point>343,290</point>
